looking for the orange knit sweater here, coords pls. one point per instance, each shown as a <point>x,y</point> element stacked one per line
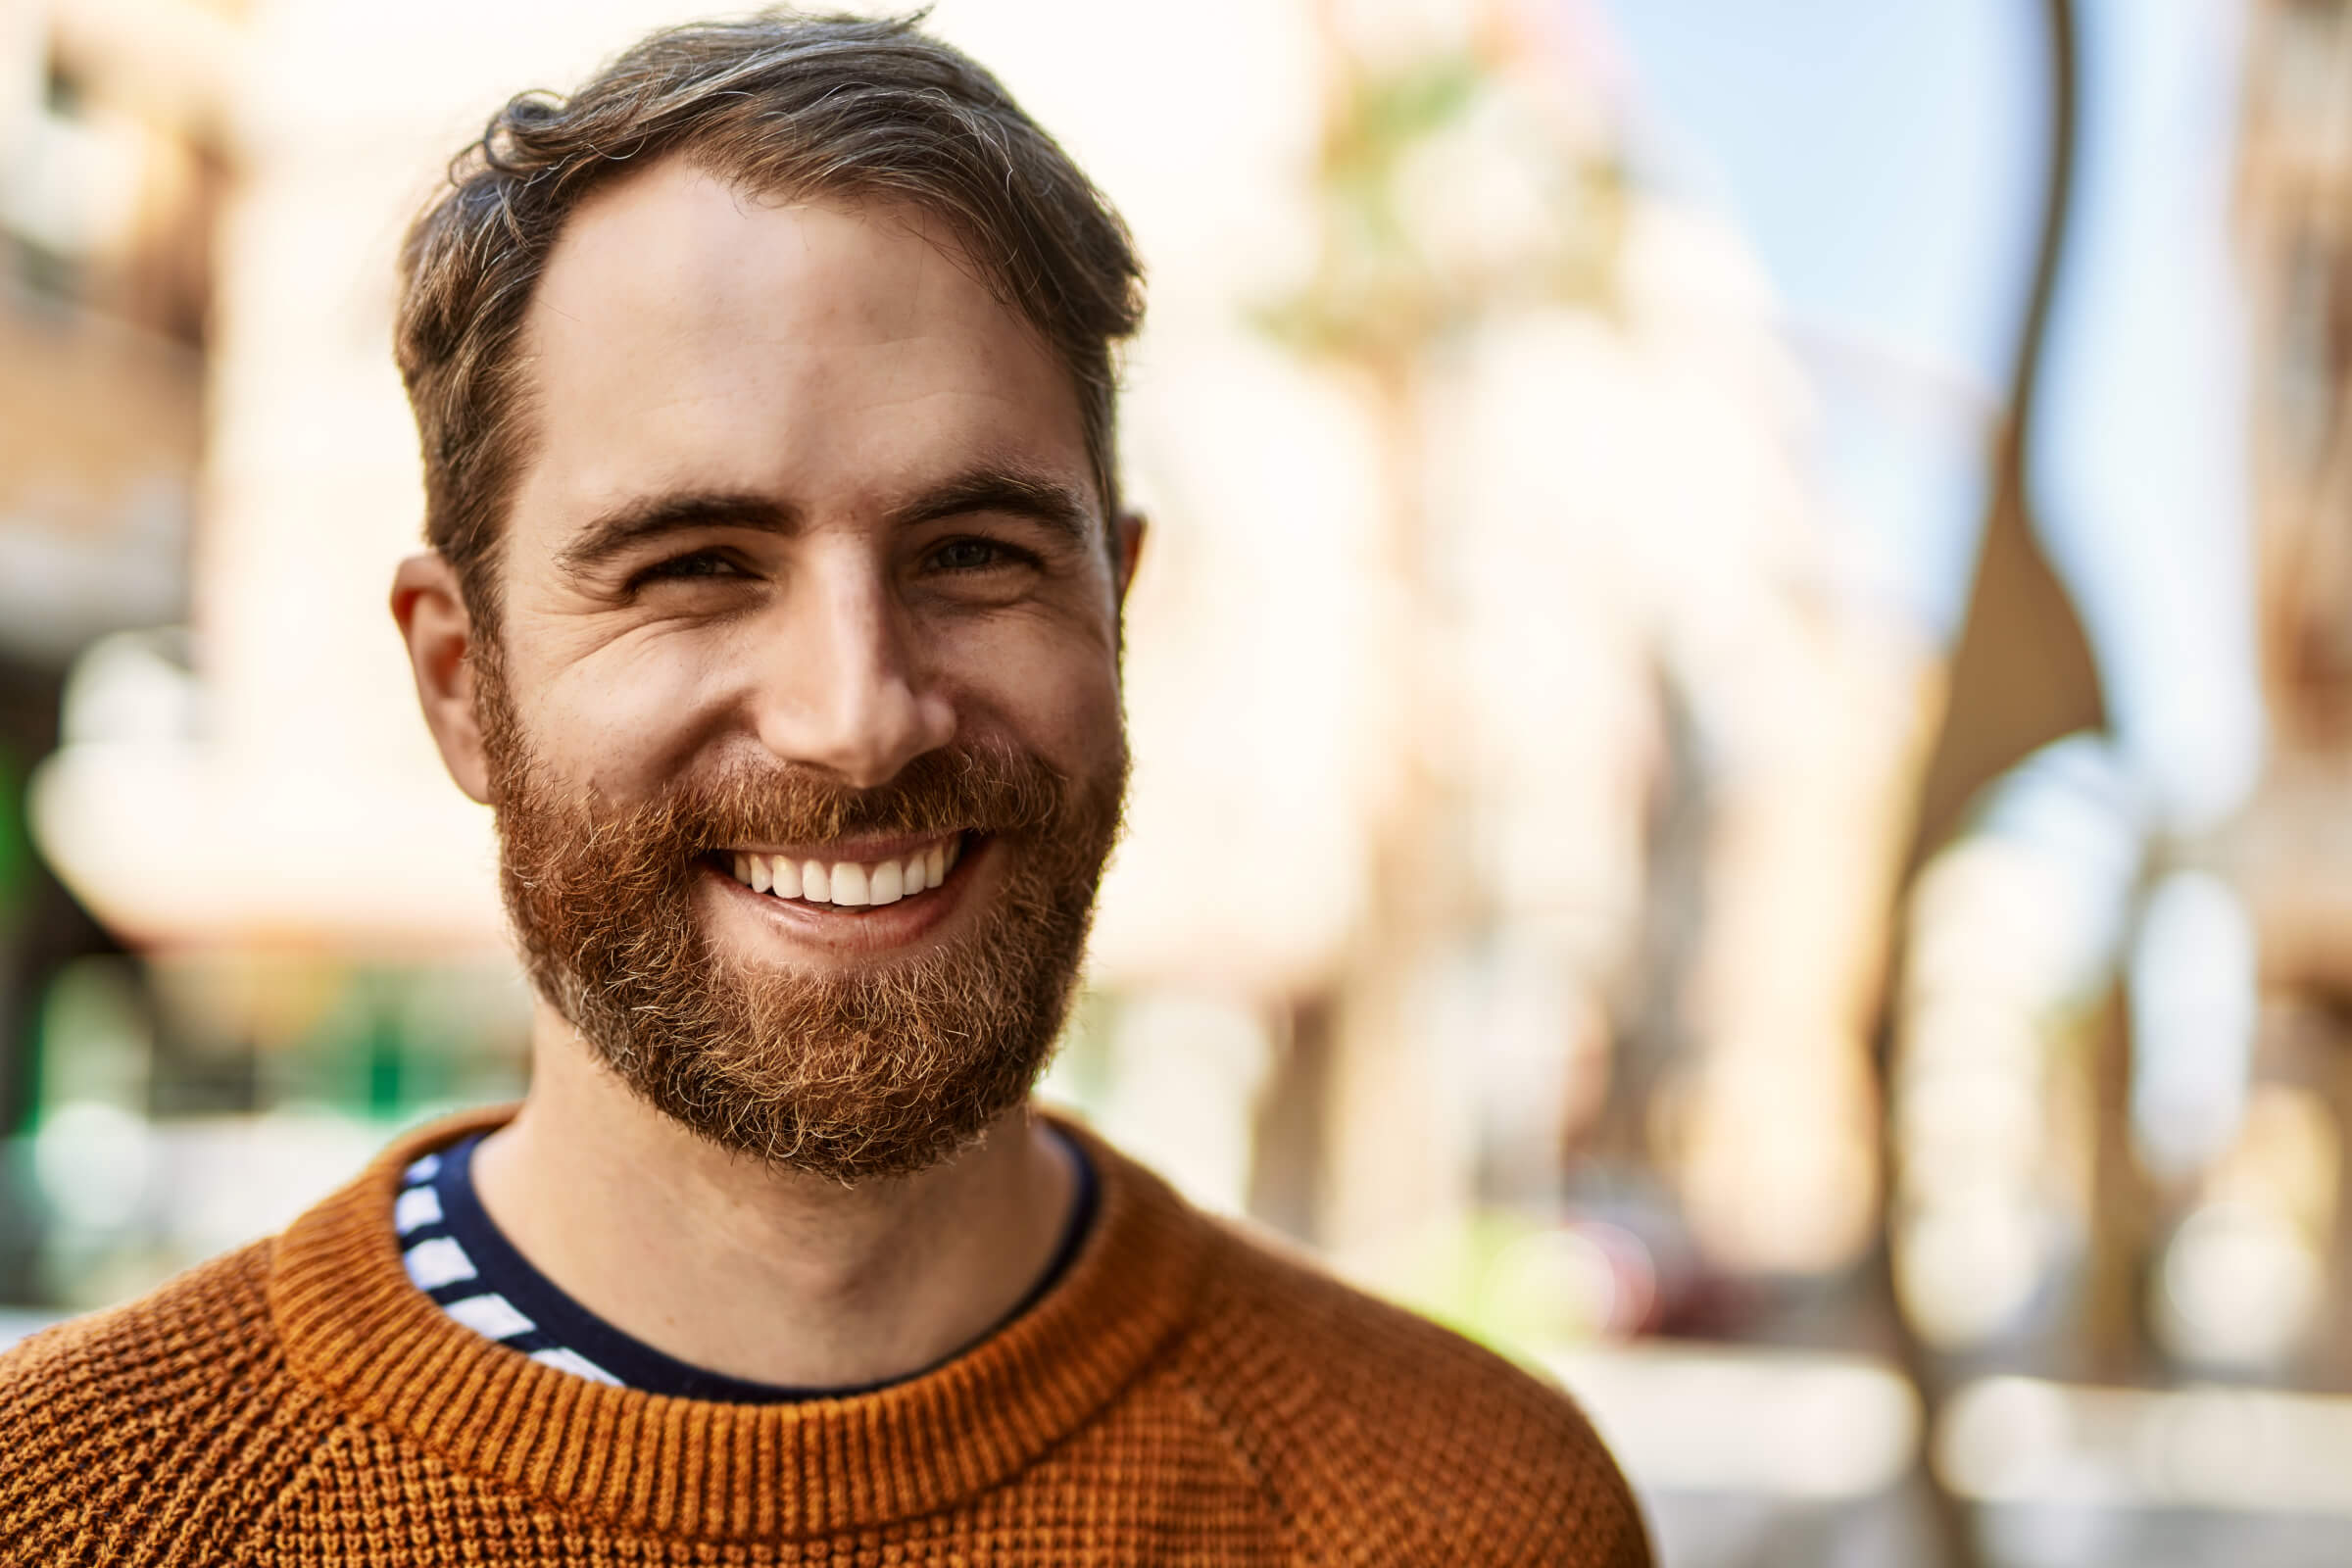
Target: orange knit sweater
<point>1182,1395</point>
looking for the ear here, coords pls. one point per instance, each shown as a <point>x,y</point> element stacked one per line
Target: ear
<point>431,613</point>
<point>1127,550</point>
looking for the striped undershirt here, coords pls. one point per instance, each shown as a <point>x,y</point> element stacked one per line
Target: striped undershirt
<point>457,1256</point>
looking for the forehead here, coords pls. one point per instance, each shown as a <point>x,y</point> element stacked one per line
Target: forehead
<point>685,335</point>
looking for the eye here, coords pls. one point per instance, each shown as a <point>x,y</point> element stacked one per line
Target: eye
<point>976,555</point>
<point>696,563</point>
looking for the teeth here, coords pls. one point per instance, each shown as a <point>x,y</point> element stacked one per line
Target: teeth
<point>850,883</point>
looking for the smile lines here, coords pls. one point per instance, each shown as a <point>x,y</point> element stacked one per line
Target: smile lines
<point>848,883</point>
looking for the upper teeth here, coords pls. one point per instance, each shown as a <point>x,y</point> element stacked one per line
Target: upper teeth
<point>847,882</point>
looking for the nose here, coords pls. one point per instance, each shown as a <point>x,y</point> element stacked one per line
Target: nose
<point>845,687</point>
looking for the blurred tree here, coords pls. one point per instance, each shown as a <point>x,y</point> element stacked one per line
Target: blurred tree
<point>1396,279</point>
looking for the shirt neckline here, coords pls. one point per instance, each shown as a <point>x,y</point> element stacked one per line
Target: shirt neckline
<point>501,1267</point>
<point>357,1330</point>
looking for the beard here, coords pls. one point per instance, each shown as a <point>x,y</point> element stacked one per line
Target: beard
<point>876,1070</point>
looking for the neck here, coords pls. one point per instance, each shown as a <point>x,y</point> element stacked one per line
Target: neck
<point>755,1270</point>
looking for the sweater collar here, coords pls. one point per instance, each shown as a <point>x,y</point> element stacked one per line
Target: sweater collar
<point>352,1324</point>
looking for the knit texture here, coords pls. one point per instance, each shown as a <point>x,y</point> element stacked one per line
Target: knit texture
<point>1184,1396</point>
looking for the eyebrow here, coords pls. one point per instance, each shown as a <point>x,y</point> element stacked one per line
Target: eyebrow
<point>1014,491</point>
<point>631,523</point>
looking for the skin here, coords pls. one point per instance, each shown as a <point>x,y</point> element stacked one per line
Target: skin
<point>833,370</point>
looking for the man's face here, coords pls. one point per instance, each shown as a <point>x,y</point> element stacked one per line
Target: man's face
<point>802,712</point>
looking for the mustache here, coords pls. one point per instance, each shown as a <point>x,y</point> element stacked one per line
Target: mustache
<point>984,787</point>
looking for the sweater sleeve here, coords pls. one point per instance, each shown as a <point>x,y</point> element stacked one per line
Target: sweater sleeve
<point>153,1433</point>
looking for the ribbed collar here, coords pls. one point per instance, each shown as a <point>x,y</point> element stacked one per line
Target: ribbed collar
<point>352,1324</point>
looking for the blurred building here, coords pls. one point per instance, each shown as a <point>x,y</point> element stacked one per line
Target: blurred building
<point>2289,858</point>
<point>2297,227</point>
<point>114,161</point>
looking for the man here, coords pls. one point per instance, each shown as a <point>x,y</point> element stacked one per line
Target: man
<point>765,396</point>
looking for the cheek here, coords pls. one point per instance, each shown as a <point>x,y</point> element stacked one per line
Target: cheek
<point>1056,689</point>
<point>627,718</point>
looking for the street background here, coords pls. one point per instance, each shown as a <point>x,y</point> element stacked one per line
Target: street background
<point>1742,700</point>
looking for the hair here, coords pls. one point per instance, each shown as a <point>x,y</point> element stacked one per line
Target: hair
<point>782,103</point>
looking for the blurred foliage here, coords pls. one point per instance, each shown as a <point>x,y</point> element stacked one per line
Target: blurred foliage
<point>1519,1284</point>
<point>16,847</point>
<point>1403,263</point>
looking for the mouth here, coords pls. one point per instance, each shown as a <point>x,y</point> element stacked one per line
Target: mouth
<point>847,876</point>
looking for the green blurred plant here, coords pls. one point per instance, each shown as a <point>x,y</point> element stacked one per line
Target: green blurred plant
<point>16,844</point>
<point>1382,290</point>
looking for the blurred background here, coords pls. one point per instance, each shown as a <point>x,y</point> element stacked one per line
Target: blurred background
<point>1742,701</point>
